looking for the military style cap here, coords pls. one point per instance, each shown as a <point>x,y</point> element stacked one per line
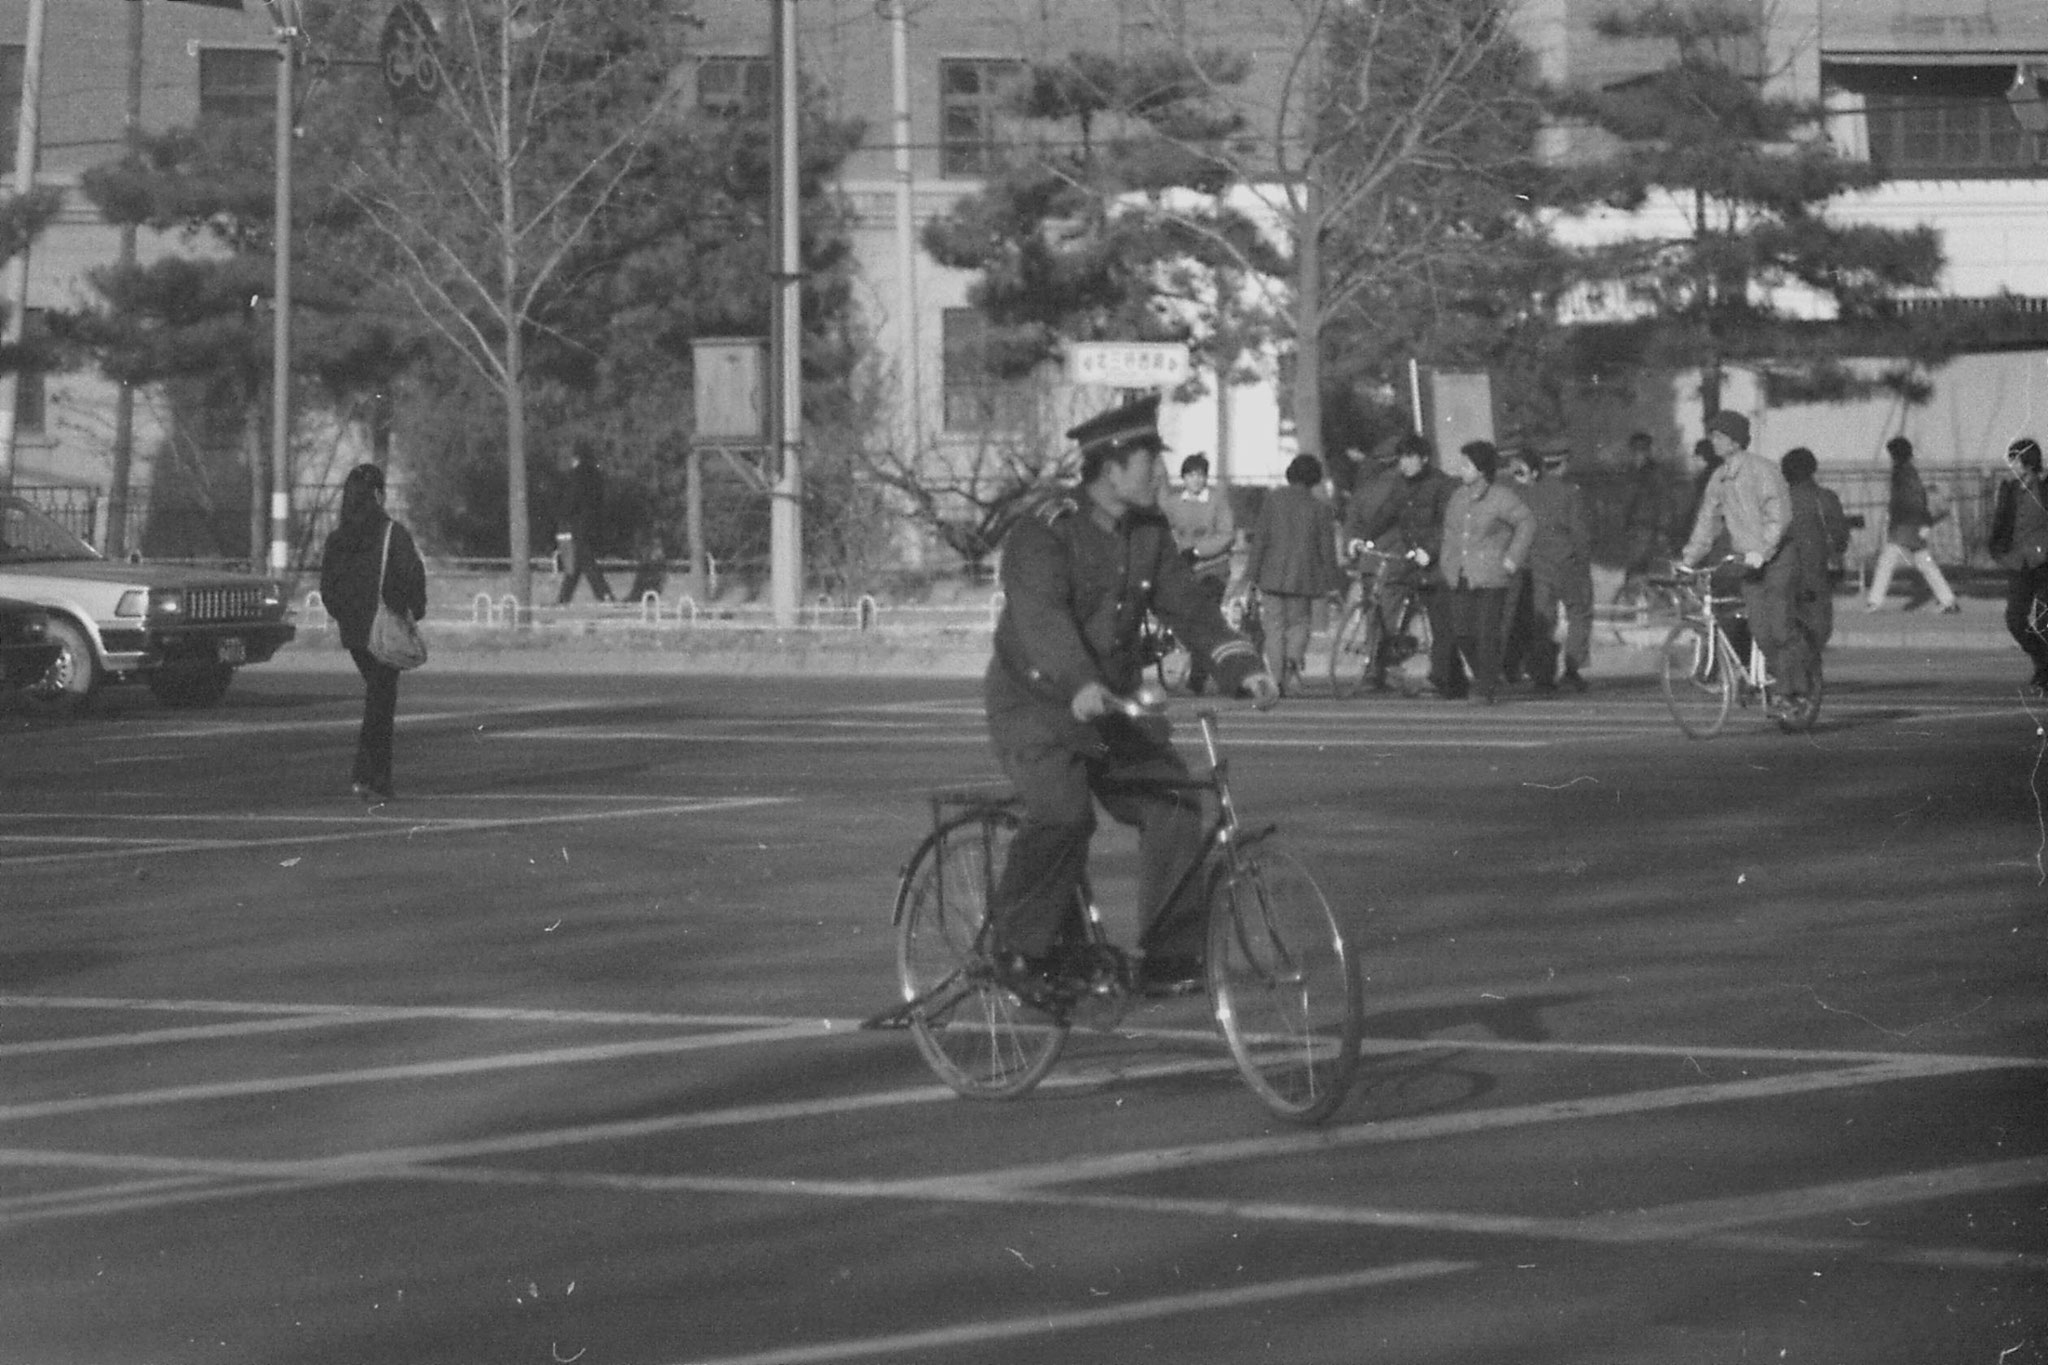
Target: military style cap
<point>1121,428</point>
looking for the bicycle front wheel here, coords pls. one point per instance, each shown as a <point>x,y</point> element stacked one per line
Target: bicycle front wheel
<point>978,1037</point>
<point>1285,986</point>
<point>1699,679</point>
<point>1354,646</point>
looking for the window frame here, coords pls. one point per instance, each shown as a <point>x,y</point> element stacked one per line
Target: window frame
<point>971,157</point>
<point>249,99</point>
<point>974,401</point>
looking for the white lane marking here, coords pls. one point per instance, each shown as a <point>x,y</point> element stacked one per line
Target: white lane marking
<point>157,1037</point>
<point>960,1339</point>
<point>459,1066</point>
<point>992,1185</point>
<point>406,719</point>
<point>385,822</point>
<point>979,739</point>
<point>479,1013</point>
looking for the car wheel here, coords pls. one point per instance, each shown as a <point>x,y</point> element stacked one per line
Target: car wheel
<point>71,680</point>
<point>191,685</point>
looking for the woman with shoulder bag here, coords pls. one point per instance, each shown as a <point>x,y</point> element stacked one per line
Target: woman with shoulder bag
<point>371,561</point>
<point>2019,542</point>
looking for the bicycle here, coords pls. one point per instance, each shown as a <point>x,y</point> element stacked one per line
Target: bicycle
<point>1374,634</point>
<point>1285,988</point>
<point>1161,651</point>
<point>1704,675</point>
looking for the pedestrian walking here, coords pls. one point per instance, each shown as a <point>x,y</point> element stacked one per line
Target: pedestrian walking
<point>370,558</point>
<point>1909,525</point>
<point>1293,565</point>
<point>1205,533</point>
<point>2019,542</point>
<point>1820,538</point>
<point>1487,534</point>
<point>583,515</point>
<point>1557,579</point>
<point>1408,524</point>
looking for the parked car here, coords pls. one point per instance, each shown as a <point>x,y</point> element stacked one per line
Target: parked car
<point>26,649</point>
<point>181,631</point>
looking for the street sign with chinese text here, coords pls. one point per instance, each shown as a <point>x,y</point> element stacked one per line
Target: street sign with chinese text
<point>1128,364</point>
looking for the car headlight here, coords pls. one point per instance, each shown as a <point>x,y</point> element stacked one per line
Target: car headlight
<point>273,594</point>
<point>165,601</point>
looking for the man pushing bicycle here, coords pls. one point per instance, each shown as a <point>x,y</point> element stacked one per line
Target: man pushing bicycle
<point>1079,573</point>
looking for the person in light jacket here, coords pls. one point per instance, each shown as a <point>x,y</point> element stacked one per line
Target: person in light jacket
<point>1487,535</point>
<point>2019,542</point>
<point>1293,565</point>
<point>351,566</point>
<point>1205,532</point>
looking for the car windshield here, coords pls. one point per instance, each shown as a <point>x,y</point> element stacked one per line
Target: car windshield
<point>29,535</point>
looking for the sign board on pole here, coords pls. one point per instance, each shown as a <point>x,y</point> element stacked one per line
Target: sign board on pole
<point>1129,364</point>
<point>731,388</point>
<point>1455,407</point>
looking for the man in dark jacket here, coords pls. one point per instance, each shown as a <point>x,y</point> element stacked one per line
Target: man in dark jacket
<point>1410,523</point>
<point>1819,537</point>
<point>584,516</point>
<point>1078,575</point>
<point>1557,580</point>
<point>1909,525</point>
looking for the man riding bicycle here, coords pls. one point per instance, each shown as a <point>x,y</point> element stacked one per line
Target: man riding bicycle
<point>1078,575</point>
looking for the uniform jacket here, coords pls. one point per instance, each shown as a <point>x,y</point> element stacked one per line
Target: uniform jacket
<point>1485,526</point>
<point>1747,497</point>
<point>348,577</point>
<point>2019,524</point>
<point>1819,533</point>
<point>1564,538</point>
<point>583,514</point>
<point>1076,586</point>
<point>1412,518</point>
<point>1294,548</point>
<point>1203,528</point>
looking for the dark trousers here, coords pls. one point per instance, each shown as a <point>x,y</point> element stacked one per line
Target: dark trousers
<point>1476,616</point>
<point>1446,671</point>
<point>1213,587</point>
<point>380,719</point>
<point>583,565</point>
<point>1038,898</point>
<point>1534,606</point>
<point>2026,612</point>
<point>1790,651</point>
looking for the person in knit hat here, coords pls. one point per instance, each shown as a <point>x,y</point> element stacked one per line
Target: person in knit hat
<point>1749,499</point>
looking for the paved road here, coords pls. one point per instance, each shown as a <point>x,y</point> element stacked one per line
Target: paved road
<point>1679,1051</point>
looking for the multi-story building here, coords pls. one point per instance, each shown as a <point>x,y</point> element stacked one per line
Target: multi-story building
<point>194,60</point>
<point>1917,86</point>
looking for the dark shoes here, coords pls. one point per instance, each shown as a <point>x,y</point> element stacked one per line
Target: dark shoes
<point>1573,680</point>
<point>371,791</point>
<point>1168,976</point>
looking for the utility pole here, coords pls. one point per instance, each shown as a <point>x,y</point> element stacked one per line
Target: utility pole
<point>785,513</point>
<point>286,13</point>
<point>26,142</point>
<point>124,401</point>
<point>908,359</point>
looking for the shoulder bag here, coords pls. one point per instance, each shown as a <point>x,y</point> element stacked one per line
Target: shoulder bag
<point>394,639</point>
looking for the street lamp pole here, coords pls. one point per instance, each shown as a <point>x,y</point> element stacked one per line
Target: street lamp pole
<point>26,141</point>
<point>785,515</point>
<point>286,15</point>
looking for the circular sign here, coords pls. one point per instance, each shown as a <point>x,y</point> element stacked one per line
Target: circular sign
<point>410,57</point>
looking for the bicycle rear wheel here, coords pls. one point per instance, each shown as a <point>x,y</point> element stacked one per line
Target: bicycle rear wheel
<point>1284,984</point>
<point>1699,679</point>
<point>1354,645</point>
<point>978,1037</point>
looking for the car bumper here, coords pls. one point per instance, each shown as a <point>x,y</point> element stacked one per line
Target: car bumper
<point>128,651</point>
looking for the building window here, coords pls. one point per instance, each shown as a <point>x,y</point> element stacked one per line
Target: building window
<point>237,83</point>
<point>10,102</point>
<point>1943,121</point>
<point>735,87</point>
<point>977,398</point>
<point>973,98</point>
